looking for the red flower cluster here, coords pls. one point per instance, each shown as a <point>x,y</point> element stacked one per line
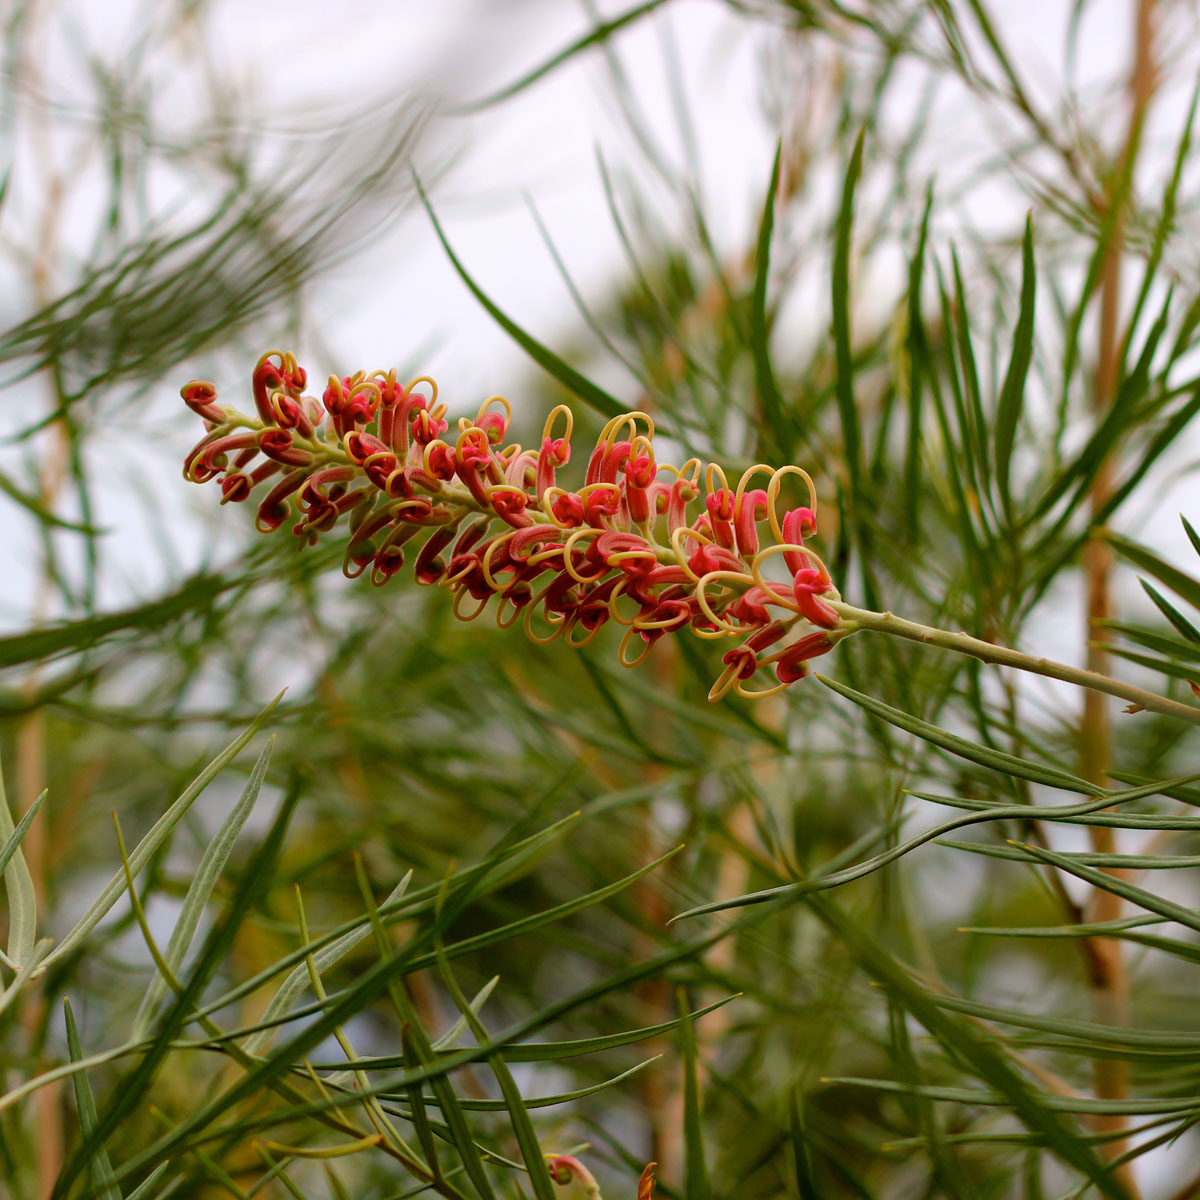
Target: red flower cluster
<point>654,547</point>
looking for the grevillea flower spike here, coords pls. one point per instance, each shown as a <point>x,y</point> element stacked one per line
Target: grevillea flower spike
<point>649,546</point>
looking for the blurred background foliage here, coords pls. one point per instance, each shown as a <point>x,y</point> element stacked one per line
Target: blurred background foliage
<point>872,320</point>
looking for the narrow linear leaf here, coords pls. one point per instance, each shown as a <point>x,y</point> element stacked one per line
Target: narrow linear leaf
<point>212,863</point>
<point>1192,535</point>
<point>1180,583</point>
<point>599,35</point>
<point>1131,862</point>
<point>543,1101</point>
<point>918,369</point>
<point>41,512</point>
<point>1012,393</point>
<point>764,373</point>
<point>193,596</point>
<point>522,1126</point>
<point>1163,665</point>
<point>996,760</point>
<point>131,1091</point>
<point>1172,647</point>
<point>1168,610</point>
<point>158,833</point>
<point>1185,1105</point>
<point>980,1054</point>
<point>540,1051</point>
<point>85,1105</point>
<point>143,1190</point>
<point>1188,917</point>
<point>844,353</point>
<point>23,976</point>
<point>696,1183</point>
<point>13,841</point>
<point>827,879</point>
<point>416,1106</point>
<point>571,379</point>
<point>18,883</point>
<point>450,1039</point>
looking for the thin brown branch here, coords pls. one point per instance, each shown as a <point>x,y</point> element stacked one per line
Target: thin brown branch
<point>1109,979</point>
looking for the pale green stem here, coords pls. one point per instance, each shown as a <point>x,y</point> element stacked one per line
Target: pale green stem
<point>963,643</point>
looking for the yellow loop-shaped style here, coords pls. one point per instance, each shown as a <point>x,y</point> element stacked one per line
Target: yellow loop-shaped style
<point>494,488</point>
<point>488,404</point>
<point>715,471</point>
<point>641,658</point>
<point>456,607</point>
<point>777,477</point>
<point>739,686</point>
<point>486,563</point>
<point>610,434</point>
<point>501,623</point>
<point>723,683</point>
<point>617,593</point>
<point>767,585</point>
<point>365,385</point>
<point>466,426</point>
<point>689,472</point>
<point>425,459</point>
<point>548,497</point>
<point>527,621</point>
<point>548,427</point>
<point>431,399</point>
<point>681,559</point>
<point>449,581</point>
<point>568,548</point>
<point>665,623</point>
<point>589,489</point>
<point>730,629</point>
<point>744,483</point>
<point>543,555</point>
<point>614,560</point>
<point>643,443</point>
<point>579,643</point>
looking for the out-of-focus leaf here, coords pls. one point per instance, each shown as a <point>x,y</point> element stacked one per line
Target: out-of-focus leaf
<point>44,516</point>
<point>1179,582</point>
<point>212,863</point>
<point>246,896</point>
<point>1012,394</point>
<point>158,832</point>
<point>696,1182</point>
<point>18,883</point>
<point>995,760</point>
<point>550,362</point>
<point>843,347</point>
<point>764,373</point>
<point>85,1106</point>
<point>600,34</point>
<point>1168,610</point>
<point>981,1054</point>
<point>194,596</point>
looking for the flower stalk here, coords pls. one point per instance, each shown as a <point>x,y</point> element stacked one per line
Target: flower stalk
<point>854,619</point>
